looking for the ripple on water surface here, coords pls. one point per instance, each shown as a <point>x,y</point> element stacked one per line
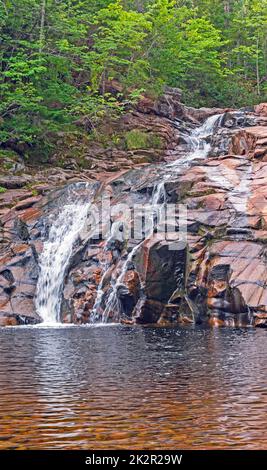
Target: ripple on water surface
<point>119,387</point>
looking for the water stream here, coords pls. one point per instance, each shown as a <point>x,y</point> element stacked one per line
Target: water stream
<point>199,146</point>
<point>66,226</point>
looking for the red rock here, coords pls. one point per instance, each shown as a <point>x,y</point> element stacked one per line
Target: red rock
<point>26,203</point>
<point>260,323</point>
<point>146,105</point>
<point>19,249</point>
<point>148,311</point>
<point>8,321</point>
<point>4,298</point>
<point>132,282</point>
<point>249,140</point>
<point>37,246</point>
<point>260,315</point>
<point>23,306</point>
<point>261,109</point>
<point>30,215</point>
<point>5,305</point>
<point>226,197</point>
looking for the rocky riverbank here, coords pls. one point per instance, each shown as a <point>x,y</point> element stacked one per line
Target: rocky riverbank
<point>218,276</point>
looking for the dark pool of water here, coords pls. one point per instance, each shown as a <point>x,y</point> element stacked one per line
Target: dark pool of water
<point>115,387</point>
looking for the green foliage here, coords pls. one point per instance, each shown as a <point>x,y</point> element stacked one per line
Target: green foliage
<point>136,139</point>
<point>9,154</point>
<point>2,190</point>
<point>117,52</point>
<point>58,60</point>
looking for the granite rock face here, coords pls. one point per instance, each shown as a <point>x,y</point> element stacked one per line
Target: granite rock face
<point>218,275</point>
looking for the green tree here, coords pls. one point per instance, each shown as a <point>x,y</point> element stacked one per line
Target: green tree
<point>58,57</point>
<point>118,49</point>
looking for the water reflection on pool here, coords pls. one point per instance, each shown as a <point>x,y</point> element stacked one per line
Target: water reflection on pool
<point>116,387</point>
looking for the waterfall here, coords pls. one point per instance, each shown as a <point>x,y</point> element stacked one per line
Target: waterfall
<point>100,291</point>
<point>198,144</point>
<point>159,194</point>
<point>56,254</point>
<point>67,224</point>
<point>113,302</point>
<point>199,147</point>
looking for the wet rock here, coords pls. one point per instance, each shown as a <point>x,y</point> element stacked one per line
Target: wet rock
<point>148,311</point>
<point>26,203</point>
<point>129,292</point>
<point>161,270</point>
<point>218,277</point>
<point>160,267</point>
<point>236,119</point>
<point>21,229</point>
<point>14,182</point>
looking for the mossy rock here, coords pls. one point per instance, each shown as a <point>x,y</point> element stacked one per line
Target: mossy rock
<point>136,139</point>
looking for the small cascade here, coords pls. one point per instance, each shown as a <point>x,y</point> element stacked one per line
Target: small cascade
<point>99,298</point>
<point>58,247</point>
<point>159,199</point>
<point>159,194</point>
<point>113,302</point>
<point>199,140</point>
<point>251,317</point>
<point>199,147</point>
<point>100,289</point>
<point>67,225</point>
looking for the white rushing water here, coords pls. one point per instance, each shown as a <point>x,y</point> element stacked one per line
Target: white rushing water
<point>54,260</point>
<point>197,141</point>
<point>199,147</point>
<point>65,228</point>
<point>112,303</point>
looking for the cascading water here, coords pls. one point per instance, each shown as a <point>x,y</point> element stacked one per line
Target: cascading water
<point>199,147</point>
<point>68,223</point>
<point>105,265</point>
<point>56,254</point>
<point>113,303</point>
<point>159,194</point>
<point>197,140</point>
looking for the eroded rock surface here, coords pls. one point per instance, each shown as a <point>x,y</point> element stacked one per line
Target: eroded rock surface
<point>219,275</point>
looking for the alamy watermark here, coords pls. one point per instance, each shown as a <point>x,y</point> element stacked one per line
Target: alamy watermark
<point>169,221</point>
<point>122,222</point>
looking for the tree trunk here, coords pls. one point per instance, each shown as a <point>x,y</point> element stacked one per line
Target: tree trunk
<point>257,69</point>
<point>42,25</point>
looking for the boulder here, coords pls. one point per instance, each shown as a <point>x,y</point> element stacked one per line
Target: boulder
<point>251,141</point>
<point>261,109</point>
<point>161,269</point>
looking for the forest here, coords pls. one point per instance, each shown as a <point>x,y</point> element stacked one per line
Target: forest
<point>57,58</point>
